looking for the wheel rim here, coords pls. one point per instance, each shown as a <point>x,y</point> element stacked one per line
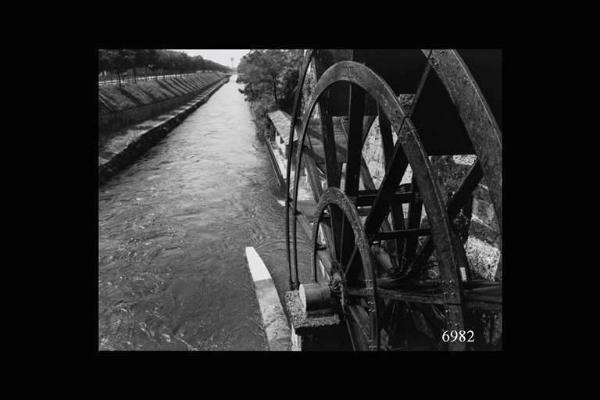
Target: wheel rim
<point>359,313</point>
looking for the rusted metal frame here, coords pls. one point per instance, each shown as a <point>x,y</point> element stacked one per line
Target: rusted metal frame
<point>404,233</point>
<point>456,202</point>
<point>482,305</point>
<point>412,297</point>
<point>482,297</point>
<point>304,69</point>
<point>367,197</point>
<point>334,196</point>
<point>476,115</point>
<point>409,143</point>
<point>481,283</point>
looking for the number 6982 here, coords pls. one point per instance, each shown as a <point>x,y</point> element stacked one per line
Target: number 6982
<point>461,336</point>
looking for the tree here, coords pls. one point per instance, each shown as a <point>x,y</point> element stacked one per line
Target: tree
<point>143,59</point>
<point>163,61</point>
<point>199,63</point>
<point>273,72</point>
<point>125,59</point>
<point>106,60</point>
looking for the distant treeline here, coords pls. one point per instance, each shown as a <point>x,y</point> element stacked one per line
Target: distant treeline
<point>152,61</point>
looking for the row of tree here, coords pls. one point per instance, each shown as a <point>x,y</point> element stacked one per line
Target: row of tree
<point>270,78</point>
<point>151,61</point>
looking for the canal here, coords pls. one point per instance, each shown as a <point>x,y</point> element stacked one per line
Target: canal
<point>172,233</point>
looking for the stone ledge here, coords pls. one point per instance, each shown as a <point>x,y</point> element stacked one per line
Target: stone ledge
<point>298,320</point>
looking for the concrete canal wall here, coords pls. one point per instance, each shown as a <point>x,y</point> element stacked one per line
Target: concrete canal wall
<point>121,148</point>
<point>131,103</point>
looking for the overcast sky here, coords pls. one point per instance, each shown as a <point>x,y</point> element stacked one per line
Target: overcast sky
<point>221,56</point>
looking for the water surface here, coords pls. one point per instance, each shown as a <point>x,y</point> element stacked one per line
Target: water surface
<point>172,233</point>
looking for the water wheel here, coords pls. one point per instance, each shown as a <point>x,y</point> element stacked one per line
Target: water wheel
<point>388,240</point>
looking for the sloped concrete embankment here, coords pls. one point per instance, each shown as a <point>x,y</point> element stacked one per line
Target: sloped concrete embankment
<point>119,107</point>
<point>127,146</point>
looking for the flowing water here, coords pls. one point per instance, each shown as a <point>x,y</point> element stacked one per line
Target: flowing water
<point>172,233</point>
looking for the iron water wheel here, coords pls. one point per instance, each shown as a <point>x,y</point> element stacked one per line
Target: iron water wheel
<point>382,288</point>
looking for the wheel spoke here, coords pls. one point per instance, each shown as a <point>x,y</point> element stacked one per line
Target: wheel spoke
<point>422,81</point>
<point>357,106</point>
<point>367,127</point>
<point>331,163</point>
<point>414,221</point>
<point>351,260</point>
<point>393,176</point>
<point>387,139</point>
<point>333,230</point>
<point>351,334</point>
<point>388,151</point>
<point>456,202</point>
<point>341,252</point>
<point>353,312</point>
<point>396,167</point>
